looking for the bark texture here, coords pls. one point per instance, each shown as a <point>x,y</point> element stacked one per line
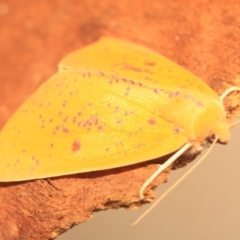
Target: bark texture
<point>202,36</point>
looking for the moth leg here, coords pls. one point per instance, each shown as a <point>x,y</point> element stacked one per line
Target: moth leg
<point>177,182</point>
<point>163,167</point>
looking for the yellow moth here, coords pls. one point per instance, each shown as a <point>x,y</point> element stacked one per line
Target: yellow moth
<point>111,104</point>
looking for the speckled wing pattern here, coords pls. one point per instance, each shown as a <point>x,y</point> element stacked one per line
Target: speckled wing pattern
<point>111,104</point>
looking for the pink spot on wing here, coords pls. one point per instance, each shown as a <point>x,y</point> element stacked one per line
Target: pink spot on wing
<point>176,129</point>
<point>116,109</point>
<point>150,63</point>
<point>65,119</point>
<point>174,94</point>
<point>152,121</point>
<point>64,103</point>
<point>101,128</point>
<point>101,73</point>
<point>76,146</point>
<point>119,121</point>
<point>65,130</point>
<point>132,68</point>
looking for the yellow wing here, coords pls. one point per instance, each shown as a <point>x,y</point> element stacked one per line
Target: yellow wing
<point>137,63</point>
<point>111,104</point>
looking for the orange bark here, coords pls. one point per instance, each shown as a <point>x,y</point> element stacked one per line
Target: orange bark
<point>203,36</point>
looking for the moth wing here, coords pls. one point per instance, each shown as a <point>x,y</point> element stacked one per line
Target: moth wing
<point>184,99</point>
<point>80,121</point>
<point>136,62</point>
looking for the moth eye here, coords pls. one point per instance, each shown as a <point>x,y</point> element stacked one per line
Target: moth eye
<point>211,138</point>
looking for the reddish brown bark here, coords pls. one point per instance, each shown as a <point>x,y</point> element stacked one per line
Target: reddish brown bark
<point>203,36</point>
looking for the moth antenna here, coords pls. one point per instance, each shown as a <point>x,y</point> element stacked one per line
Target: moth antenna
<point>163,167</point>
<point>176,183</point>
<point>231,89</point>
